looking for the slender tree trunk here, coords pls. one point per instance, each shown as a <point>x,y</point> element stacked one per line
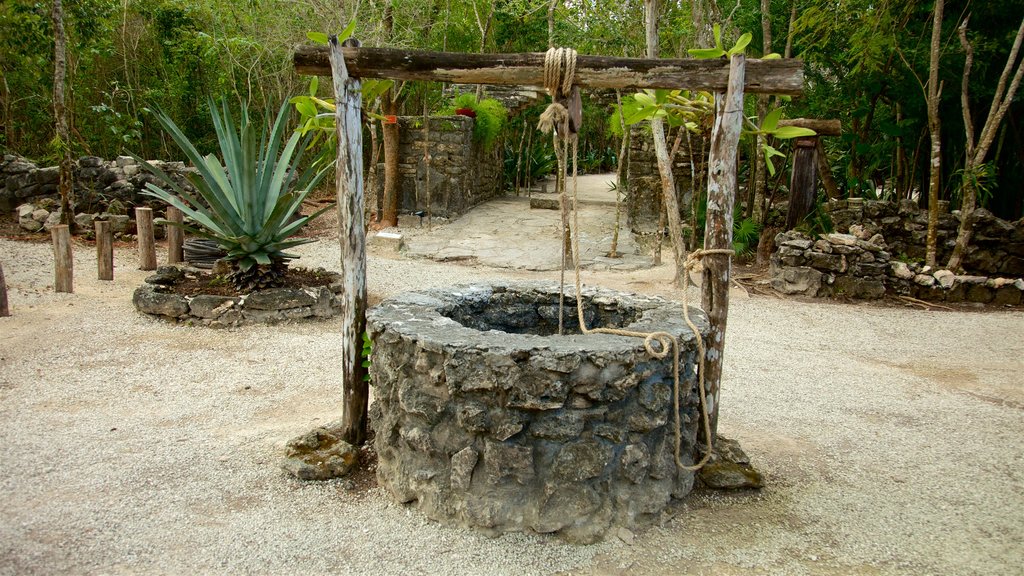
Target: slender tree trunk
<point>760,177</point>
<point>790,31</point>
<point>551,23</point>
<point>976,152</point>
<point>60,114</point>
<point>670,204</point>
<point>934,128</point>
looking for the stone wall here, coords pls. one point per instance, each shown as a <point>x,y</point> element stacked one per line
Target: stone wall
<point>845,265</point>
<point>643,197</point>
<point>996,249</point>
<point>99,185</point>
<point>462,174</point>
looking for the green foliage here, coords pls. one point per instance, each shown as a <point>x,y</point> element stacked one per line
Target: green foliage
<point>718,51</point>
<point>488,120</point>
<point>366,354</point>
<point>248,197</point>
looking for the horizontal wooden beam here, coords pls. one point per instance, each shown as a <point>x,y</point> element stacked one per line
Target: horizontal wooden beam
<point>822,127</point>
<point>783,76</point>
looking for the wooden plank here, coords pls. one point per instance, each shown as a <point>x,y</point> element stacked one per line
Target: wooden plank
<point>4,308</point>
<point>104,251</point>
<point>822,127</point>
<point>782,76</point>
<point>63,263</point>
<point>146,240</point>
<point>352,233</point>
<point>725,138</point>
<point>175,236</point>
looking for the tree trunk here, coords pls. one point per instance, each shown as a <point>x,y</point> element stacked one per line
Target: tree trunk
<point>391,136</point>
<point>352,233</point>
<point>760,178</point>
<point>934,128</point>
<point>670,203</point>
<point>60,114</point>
<point>725,138</point>
<point>976,153</point>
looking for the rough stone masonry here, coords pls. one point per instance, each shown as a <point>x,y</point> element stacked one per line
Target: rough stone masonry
<point>485,417</point>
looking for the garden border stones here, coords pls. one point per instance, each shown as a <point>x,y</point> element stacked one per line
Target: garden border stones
<point>497,428</point>
<point>269,306</point>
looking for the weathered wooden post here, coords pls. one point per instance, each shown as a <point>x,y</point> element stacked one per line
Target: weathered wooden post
<point>175,236</point>
<point>803,182</point>
<point>104,251</point>
<point>147,243</point>
<point>808,165</point>
<point>63,270</point>
<point>4,309</point>
<point>352,233</point>
<point>725,138</point>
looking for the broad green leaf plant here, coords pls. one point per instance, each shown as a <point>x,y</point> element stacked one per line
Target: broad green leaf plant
<point>246,200</point>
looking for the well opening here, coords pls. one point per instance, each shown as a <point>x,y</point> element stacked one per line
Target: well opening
<point>536,312</point>
<point>484,419</point>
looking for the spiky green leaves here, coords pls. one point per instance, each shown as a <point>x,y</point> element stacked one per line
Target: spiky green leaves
<point>247,199</point>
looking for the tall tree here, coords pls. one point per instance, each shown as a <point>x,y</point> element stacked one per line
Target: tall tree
<point>62,138</point>
<point>391,135</point>
<point>976,152</point>
<point>935,129</point>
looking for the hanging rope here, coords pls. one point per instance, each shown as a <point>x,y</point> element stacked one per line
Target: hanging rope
<point>559,75</point>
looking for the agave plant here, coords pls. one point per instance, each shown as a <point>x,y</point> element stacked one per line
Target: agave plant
<point>247,198</point>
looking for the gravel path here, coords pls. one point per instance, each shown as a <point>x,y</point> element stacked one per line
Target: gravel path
<point>892,441</point>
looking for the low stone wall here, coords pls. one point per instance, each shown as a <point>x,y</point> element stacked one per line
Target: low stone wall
<point>486,419</point>
<point>843,265</point>
<point>270,306</point>
<point>99,185</point>
<point>462,174</point>
<point>996,249</point>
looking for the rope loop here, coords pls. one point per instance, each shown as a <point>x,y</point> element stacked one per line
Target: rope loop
<point>665,343</point>
<point>559,76</point>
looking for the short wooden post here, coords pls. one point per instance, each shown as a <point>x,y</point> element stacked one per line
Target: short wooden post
<point>725,138</point>
<point>4,309</point>
<point>803,182</point>
<point>147,243</point>
<point>175,236</point>
<point>63,263</point>
<point>349,167</point>
<point>104,251</point>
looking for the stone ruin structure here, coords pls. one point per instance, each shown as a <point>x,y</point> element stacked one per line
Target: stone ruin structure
<point>462,173</point>
<point>878,255</point>
<point>485,417</point>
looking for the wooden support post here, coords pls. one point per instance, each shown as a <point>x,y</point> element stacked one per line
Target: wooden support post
<point>803,183</point>
<point>147,243</point>
<point>63,263</point>
<point>352,232</point>
<point>104,251</point>
<point>175,236</point>
<point>725,138</point>
<point>4,309</point>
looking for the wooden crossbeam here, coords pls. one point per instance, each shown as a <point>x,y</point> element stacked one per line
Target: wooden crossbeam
<point>783,76</point>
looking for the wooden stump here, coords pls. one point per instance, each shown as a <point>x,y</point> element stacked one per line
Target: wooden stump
<point>4,309</point>
<point>147,243</point>
<point>104,251</point>
<point>175,236</point>
<point>63,263</point>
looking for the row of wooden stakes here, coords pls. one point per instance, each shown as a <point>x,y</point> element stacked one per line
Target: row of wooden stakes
<point>63,280</point>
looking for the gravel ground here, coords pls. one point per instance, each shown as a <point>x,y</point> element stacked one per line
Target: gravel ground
<point>892,440</point>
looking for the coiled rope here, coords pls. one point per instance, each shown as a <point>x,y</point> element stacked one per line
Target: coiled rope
<point>559,75</point>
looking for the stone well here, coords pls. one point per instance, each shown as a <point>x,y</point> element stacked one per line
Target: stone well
<point>487,418</point>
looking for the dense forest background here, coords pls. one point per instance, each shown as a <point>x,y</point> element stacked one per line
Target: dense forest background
<point>865,61</point>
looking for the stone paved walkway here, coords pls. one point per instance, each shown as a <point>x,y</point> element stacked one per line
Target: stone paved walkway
<point>508,233</point>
